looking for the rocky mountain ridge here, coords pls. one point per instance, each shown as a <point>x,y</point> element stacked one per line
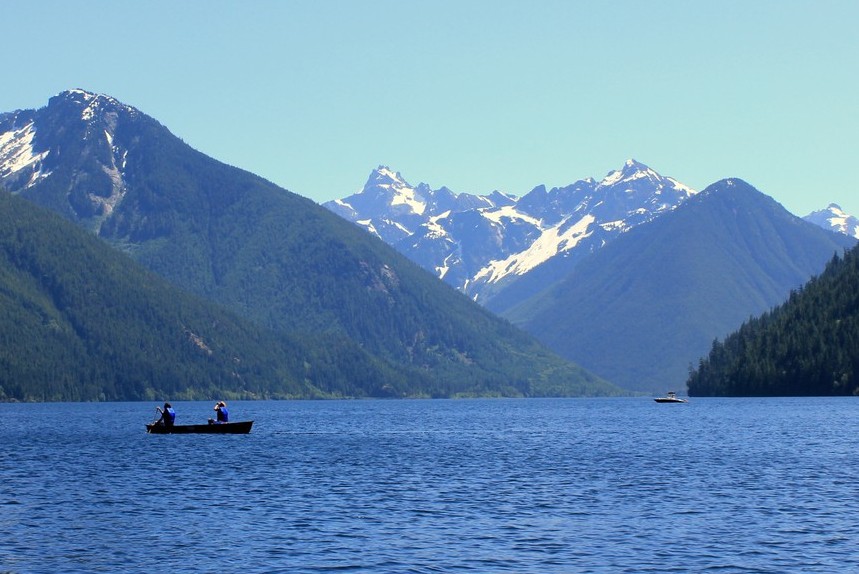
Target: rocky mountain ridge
<point>648,305</point>
<point>482,243</point>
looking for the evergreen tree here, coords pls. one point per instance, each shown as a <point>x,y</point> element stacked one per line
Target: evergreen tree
<point>809,346</point>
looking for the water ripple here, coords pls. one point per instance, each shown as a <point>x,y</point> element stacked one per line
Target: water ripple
<point>602,486</point>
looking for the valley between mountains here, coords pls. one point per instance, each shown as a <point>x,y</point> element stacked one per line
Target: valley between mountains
<point>240,288</point>
<point>632,276</point>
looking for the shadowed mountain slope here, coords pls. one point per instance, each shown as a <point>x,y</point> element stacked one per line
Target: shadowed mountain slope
<point>808,346</point>
<point>646,306</point>
<point>269,255</point>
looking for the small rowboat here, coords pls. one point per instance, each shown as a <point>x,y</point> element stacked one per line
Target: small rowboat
<point>241,427</point>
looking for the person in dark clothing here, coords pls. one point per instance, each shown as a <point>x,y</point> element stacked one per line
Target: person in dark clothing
<point>223,415</point>
<point>168,415</point>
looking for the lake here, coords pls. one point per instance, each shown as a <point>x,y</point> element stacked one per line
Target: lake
<point>505,485</point>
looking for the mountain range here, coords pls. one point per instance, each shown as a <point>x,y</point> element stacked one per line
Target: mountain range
<point>270,256</point>
<point>482,244</point>
<point>501,248</point>
<point>544,260</point>
<point>631,276</point>
<point>647,306</point>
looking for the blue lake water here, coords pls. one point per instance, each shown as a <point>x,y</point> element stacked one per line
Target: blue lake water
<point>526,486</point>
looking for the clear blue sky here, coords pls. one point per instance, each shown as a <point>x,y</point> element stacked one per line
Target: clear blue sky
<point>475,95</point>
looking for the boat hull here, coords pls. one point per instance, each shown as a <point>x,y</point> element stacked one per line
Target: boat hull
<point>666,400</point>
<point>242,427</point>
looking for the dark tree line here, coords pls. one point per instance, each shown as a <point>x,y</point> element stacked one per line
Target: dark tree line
<point>809,346</point>
<point>80,321</point>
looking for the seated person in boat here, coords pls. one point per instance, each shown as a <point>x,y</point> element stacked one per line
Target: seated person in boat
<point>221,412</point>
<point>168,415</point>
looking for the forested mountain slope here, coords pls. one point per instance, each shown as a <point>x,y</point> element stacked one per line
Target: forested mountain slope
<point>81,321</point>
<point>643,308</point>
<point>809,346</point>
<point>269,255</point>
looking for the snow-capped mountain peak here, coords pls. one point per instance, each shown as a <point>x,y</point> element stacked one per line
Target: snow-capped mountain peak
<point>79,96</point>
<point>395,192</point>
<point>630,171</point>
<point>479,243</point>
<point>633,171</point>
<point>835,219</point>
<point>385,176</point>
<point>34,143</point>
<point>92,107</point>
<point>390,207</point>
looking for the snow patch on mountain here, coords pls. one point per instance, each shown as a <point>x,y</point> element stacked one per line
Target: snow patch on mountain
<point>633,171</point>
<point>17,154</point>
<point>396,225</point>
<point>835,219</point>
<point>550,243</point>
<point>480,243</point>
<point>443,269</point>
<point>509,213</point>
<point>613,225</point>
<point>408,198</point>
<point>95,105</point>
<point>399,192</point>
<point>435,230</point>
<point>31,146</point>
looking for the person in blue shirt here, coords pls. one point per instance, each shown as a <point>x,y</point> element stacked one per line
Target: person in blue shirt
<point>223,415</point>
<point>168,415</point>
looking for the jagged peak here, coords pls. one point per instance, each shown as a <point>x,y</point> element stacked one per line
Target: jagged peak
<point>631,165</point>
<point>91,103</point>
<point>84,97</point>
<point>78,94</point>
<point>634,170</point>
<point>384,177</point>
<point>631,169</point>
<point>503,195</point>
<point>386,171</point>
